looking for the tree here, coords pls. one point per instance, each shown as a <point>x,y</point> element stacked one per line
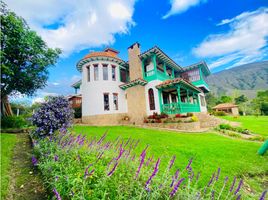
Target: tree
<point>25,57</point>
<point>225,99</point>
<point>260,103</point>
<point>241,99</point>
<point>211,100</point>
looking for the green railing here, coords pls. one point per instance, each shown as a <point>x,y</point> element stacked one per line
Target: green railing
<point>176,108</point>
<point>151,75</point>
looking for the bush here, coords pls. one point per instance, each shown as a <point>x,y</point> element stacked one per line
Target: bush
<point>178,116</point>
<point>194,118</point>
<point>52,115</point>
<point>190,114</point>
<point>78,112</point>
<point>99,169</point>
<point>14,122</point>
<point>225,126</point>
<point>219,113</point>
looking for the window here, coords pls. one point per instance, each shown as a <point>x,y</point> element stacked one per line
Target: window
<point>115,101</point>
<point>123,75</point>
<point>96,72</point>
<point>88,73</point>
<point>113,73</point>
<point>106,101</point>
<point>151,99</point>
<point>105,72</point>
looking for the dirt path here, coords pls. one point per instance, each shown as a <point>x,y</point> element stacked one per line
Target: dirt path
<point>25,181</point>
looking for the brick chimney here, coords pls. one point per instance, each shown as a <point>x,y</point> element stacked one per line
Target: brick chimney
<point>135,68</point>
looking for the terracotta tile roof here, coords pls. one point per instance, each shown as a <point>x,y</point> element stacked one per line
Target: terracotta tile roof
<point>97,54</point>
<point>225,105</point>
<point>176,80</point>
<point>138,81</point>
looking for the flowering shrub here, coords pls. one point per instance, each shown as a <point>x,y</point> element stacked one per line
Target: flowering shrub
<point>52,115</point>
<point>75,167</point>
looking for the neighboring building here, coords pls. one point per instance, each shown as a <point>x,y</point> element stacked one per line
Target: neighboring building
<point>149,82</point>
<point>229,108</point>
<point>75,100</point>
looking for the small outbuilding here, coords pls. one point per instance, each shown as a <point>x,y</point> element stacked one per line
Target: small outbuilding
<point>229,108</point>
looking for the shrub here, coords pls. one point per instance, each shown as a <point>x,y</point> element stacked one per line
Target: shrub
<point>78,112</point>
<point>52,115</point>
<point>14,122</point>
<point>194,118</point>
<point>219,113</point>
<point>145,121</point>
<point>163,115</point>
<point>96,168</point>
<point>190,114</point>
<point>178,116</point>
<point>225,126</point>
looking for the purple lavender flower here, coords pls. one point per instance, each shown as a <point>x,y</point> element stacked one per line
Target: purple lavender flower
<point>233,183</point>
<point>86,171</point>
<point>142,156</point>
<point>56,178</point>
<point>238,197</point>
<point>263,195</point>
<point>191,176</point>
<point>102,138</point>
<point>156,168</point>
<point>121,151</point>
<point>56,194</point>
<point>172,162</point>
<point>133,157</point>
<point>239,186</point>
<point>112,171</point>
<point>34,161</point>
<point>56,158</point>
<point>218,174</point>
<point>212,195</point>
<point>176,187</point>
<point>211,180</point>
<point>188,167</point>
<point>177,173</point>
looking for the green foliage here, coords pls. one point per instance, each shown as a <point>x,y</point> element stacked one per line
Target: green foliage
<point>7,144</point>
<point>225,99</point>
<point>241,99</point>
<point>77,168</point>
<point>260,103</point>
<point>78,112</point>
<point>211,100</point>
<point>219,113</point>
<point>23,54</point>
<point>14,122</point>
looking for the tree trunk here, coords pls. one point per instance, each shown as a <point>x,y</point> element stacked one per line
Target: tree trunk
<point>5,107</point>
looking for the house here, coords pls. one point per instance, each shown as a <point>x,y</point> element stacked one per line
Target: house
<point>75,100</point>
<point>228,108</point>
<point>149,82</point>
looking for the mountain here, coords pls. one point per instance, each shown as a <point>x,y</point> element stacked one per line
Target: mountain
<point>245,79</point>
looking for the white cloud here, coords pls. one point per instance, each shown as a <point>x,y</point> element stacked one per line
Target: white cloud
<point>246,40</point>
<point>76,25</point>
<point>180,6</point>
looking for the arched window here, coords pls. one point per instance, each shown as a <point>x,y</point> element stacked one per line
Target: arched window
<point>151,99</point>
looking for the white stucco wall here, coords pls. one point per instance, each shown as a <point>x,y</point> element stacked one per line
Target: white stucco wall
<point>92,91</point>
<point>202,108</point>
<point>152,85</point>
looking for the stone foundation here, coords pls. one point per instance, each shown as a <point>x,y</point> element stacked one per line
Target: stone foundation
<point>103,120</point>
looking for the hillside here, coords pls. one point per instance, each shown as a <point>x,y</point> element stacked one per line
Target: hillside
<point>245,79</point>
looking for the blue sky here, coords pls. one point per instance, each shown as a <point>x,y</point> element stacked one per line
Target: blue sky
<point>223,33</point>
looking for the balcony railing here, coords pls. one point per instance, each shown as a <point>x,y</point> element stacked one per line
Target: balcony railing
<point>182,107</point>
<point>151,75</point>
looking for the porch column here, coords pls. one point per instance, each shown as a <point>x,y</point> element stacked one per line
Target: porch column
<point>165,68</point>
<point>188,101</point>
<point>143,69</point>
<point>154,62</point>
<point>179,94</point>
<point>160,97</point>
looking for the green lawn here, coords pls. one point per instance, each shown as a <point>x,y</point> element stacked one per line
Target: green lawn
<point>258,125</point>
<point>7,144</point>
<point>236,157</point>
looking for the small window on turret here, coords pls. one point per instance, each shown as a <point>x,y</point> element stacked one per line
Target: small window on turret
<point>113,72</point>
<point>105,72</point>
<point>96,72</point>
